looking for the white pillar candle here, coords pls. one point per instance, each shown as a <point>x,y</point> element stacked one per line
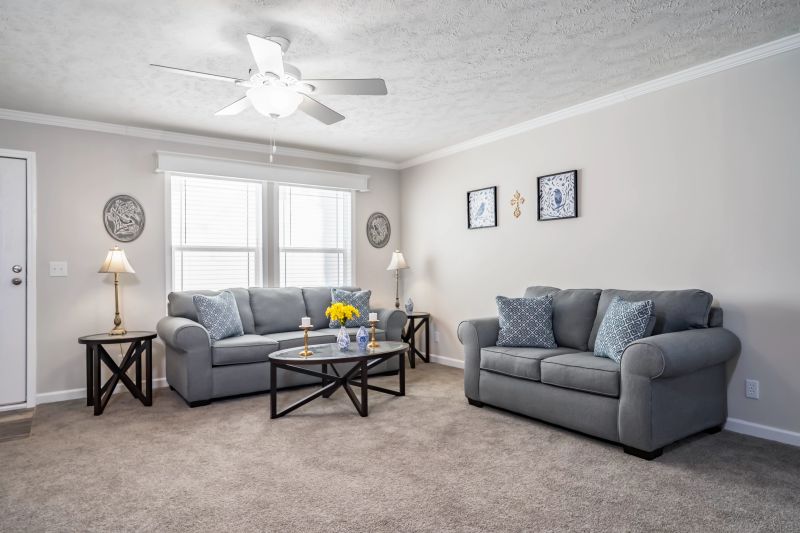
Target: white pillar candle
<point>373,317</point>
<point>305,321</point>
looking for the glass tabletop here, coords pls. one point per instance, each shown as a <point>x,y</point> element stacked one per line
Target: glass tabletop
<point>327,353</point>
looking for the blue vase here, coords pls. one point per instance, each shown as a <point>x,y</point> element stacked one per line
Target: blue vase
<point>409,305</point>
<point>362,338</point>
<point>343,339</point>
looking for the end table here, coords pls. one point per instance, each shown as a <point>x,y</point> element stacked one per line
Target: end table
<point>417,320</point>
<point>97,395</point>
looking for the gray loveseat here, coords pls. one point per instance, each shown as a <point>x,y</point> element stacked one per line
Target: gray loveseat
<point>201,371</point>
<point>668,386</point>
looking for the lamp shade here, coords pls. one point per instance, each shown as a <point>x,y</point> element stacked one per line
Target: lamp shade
<point>274,101</point>
<point>398,261</point>
<point>116,262</point>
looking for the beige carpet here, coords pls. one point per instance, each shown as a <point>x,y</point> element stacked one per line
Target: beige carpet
<point>426,462</point>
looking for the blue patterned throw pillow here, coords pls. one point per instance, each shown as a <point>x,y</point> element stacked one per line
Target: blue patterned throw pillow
<point>219,315</point>
<point>526,322</point>
<point>359,300</point>
<point>623,323</point>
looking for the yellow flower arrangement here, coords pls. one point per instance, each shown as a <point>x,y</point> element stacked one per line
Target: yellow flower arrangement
<point>340,312</point>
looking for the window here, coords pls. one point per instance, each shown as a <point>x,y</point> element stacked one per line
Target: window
<point>314,237</point>
<point>216,233</point>
<point>222,234</point>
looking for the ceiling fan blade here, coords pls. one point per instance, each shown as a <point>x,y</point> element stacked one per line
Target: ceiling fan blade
<point>268,54</point>
<point>323,113</point>
<point>374,86</point>
<point>197,74</point>
<point>235,108</point>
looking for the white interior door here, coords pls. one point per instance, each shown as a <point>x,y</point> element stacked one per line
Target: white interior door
<point>13,280</point>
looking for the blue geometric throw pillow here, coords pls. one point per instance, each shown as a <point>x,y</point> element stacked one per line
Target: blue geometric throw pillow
<point>623,323</point>
<point>219,315</point>
<point>359,300</point>
<point>526,322</point>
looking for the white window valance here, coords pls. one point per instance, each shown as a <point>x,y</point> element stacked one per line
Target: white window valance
<point>198,165</point>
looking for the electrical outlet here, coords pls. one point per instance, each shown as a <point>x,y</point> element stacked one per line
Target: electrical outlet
<point>751,388</point>
<point>58,268</point>
<point>436,335</point>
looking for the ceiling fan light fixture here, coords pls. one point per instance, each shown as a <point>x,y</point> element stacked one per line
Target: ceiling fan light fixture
<point>274,101</point>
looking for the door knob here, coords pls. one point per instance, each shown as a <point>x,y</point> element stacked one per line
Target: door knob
<point>16,281</point>
<point>16,269</point>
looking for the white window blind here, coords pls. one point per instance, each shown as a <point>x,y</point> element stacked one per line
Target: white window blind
<point>216,233</point>
<point>315,247</point>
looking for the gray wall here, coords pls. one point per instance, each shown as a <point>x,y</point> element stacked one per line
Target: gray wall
<point>78,171</point>
<point>692,186</point>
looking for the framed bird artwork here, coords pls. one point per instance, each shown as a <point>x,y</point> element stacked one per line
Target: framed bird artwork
<point>482,208</point>
<point>558,195</point>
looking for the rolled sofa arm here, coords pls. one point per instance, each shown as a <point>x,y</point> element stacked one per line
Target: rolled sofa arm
<point>474,335</point>
<point>188,358</point>
<point>679,353</point>
<point>182,334</point>
<point>392,321</point>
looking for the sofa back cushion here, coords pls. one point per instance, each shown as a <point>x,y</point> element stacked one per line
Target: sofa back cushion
<point>277,309</point>
<point>181,304</point>
<point>574,312</point>
<point>317,299</point>
<point>674,310</point>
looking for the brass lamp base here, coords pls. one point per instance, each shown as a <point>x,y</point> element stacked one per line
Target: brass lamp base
<point>118,330</point>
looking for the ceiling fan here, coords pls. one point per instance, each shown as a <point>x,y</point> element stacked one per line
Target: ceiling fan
<point>278,89</point>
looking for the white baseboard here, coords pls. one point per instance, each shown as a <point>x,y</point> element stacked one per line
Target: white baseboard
<point>447,361</point>
<point>77,394</point>
<point>765,432</point>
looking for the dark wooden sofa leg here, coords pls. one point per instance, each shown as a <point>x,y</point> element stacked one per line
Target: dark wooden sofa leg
<point>199,403</point>
<point>476,403</point>
<point>641,454</point>
<point>715,429</point>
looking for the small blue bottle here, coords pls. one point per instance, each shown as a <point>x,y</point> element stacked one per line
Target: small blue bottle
<point>362,338</point>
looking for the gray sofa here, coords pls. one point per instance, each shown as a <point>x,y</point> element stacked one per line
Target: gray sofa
<point>668,386</point>
<point>201,371</point>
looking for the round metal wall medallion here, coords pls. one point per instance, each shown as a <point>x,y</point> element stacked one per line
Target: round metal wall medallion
<point>123,217</point>
<point>378,230</point>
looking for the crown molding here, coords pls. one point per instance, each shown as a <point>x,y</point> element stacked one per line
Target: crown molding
<point>763,51</point>
<point>186,138</point>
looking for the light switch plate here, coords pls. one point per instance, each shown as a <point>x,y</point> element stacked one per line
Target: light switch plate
<point>58,268</point>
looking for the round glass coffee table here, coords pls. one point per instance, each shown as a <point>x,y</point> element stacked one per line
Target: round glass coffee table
<point>328,356</point>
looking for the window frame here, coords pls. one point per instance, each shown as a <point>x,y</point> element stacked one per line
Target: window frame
<point>270,227</point>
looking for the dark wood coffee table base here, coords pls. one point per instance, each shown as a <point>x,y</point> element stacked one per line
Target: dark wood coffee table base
<point>356,376</point>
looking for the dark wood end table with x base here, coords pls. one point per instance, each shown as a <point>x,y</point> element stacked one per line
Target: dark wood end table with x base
<point>417,320</point>
<point>141,342</point>
<point>327,356</point>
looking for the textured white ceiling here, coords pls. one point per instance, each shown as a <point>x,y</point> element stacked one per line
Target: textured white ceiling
<point>455,69</point>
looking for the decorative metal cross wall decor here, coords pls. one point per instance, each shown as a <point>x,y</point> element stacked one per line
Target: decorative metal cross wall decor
<point>516,201</point>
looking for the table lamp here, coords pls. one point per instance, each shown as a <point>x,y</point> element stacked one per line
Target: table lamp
<point>398,262</point>
<point>116,263</point>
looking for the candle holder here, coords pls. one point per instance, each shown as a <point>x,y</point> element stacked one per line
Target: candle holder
<point>306,352</point>
<point>373,343</point>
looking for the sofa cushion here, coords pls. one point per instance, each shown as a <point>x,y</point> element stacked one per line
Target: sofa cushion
<point>623,323</point>
<point>219,315</point>
<point>242,349</point>
<point>582,371</point>
<point>526,321</point>
<point>317,299</point>
<point>359,300</point>
<point>380,334</point>
<point>674,310</point>
<point>519,362</point>
<point>574,311</point>
<point>181,304</point>
<point>278,309</point>
<point>294,339</point>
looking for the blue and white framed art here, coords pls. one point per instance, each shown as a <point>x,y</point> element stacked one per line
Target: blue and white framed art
<point>558,195</point>
<point>482,208</point>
